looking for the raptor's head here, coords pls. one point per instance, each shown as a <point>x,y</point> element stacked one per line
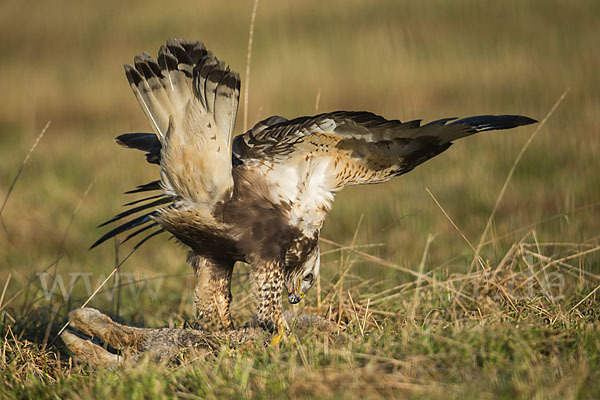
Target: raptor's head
<point>299,279</point>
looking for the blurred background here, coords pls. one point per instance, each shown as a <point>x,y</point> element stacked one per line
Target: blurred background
<point>62,62</point>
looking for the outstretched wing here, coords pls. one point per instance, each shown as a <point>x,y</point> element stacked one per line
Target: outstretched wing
<point>191,99</point>
<point>360,147</point>
<point>308,159</point>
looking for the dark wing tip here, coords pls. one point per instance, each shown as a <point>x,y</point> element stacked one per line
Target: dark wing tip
<point>526,120</point>
<point>137,221</point>
<point>483,123</point>
<point>512,121</point>
<point>231,80</point>
<point>141,141</point>
<point>150,186</point>
<point>133,76</point>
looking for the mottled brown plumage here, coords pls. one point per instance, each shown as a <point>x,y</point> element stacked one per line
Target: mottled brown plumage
<point>262,198</point>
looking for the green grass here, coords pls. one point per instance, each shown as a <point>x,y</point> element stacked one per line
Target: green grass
<point>406,60</point>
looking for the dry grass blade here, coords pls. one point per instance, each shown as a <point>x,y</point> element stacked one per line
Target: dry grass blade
<point>75,212</point>
<point>481,262</point>
<point>376,260</point>
<point>510,174</point>
<point>56,261</point>
<point>379,261</point>
<point>248,61</point>
<point>572,256</point>
<point>367,314</point>
<point>25,160</point>
<point>415,300</point>
<point>584,299</point>
<point>542,221</point>
<point>317,101</point>
<point>356,316</point>
<point>561,263</point>
<point>357,246</point>
<point>114,271</point>
<point>347,263</point>
<point>4,290</point>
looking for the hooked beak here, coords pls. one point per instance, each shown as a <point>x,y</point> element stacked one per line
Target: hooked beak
<point>296,295</point>
<point>294,298</point>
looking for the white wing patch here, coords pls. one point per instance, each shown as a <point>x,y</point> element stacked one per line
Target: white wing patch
<point>305,186</point>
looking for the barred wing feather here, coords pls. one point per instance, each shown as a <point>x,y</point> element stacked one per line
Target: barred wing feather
<point>360,147</point>
<point>191,100</point>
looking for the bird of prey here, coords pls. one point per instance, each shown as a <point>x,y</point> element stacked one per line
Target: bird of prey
<point>260,198</point>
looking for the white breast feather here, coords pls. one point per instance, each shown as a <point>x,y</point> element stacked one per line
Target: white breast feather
<point>306,186</point>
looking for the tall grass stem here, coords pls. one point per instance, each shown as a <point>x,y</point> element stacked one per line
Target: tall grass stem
<point>248,62</point>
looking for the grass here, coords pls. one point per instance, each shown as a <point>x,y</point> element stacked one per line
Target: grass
<point>414,319</point>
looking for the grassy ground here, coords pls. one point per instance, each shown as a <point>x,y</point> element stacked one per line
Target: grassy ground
<point>417,317</point>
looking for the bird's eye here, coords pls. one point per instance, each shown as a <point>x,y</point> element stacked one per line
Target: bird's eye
<point>308,277</point>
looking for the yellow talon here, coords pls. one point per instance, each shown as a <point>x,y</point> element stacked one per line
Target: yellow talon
<point>276,339</point>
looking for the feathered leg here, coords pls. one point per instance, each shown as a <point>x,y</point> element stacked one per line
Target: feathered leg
<point>212,295</point>
<point>268,280</point>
